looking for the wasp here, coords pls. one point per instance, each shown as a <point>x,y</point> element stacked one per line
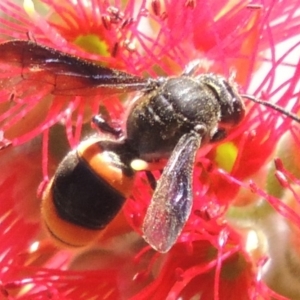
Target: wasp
<point>172,118</point>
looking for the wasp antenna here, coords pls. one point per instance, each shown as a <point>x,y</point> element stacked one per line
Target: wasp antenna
<point>274,106</point>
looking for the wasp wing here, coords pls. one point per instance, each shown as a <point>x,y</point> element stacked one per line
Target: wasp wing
<point>31,64</point>
<point>172,200</point>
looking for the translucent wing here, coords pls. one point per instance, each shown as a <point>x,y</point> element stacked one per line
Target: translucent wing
<point>172,201</point>
<point>32,64</point>
<point>40,86</point>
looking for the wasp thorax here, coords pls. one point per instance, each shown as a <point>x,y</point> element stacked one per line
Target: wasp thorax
<point>158,120</point>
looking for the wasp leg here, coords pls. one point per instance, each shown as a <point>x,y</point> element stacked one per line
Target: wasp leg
<point>219,135</point>
<point>151,179</point>
<point>103,125</point>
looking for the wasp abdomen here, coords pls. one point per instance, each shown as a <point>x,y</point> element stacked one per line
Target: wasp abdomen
<point>87,191</point>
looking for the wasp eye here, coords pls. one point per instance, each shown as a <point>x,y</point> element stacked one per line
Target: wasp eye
<point>233,110</point>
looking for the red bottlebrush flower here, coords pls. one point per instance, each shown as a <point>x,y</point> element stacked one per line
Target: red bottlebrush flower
<point>241,237</point>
